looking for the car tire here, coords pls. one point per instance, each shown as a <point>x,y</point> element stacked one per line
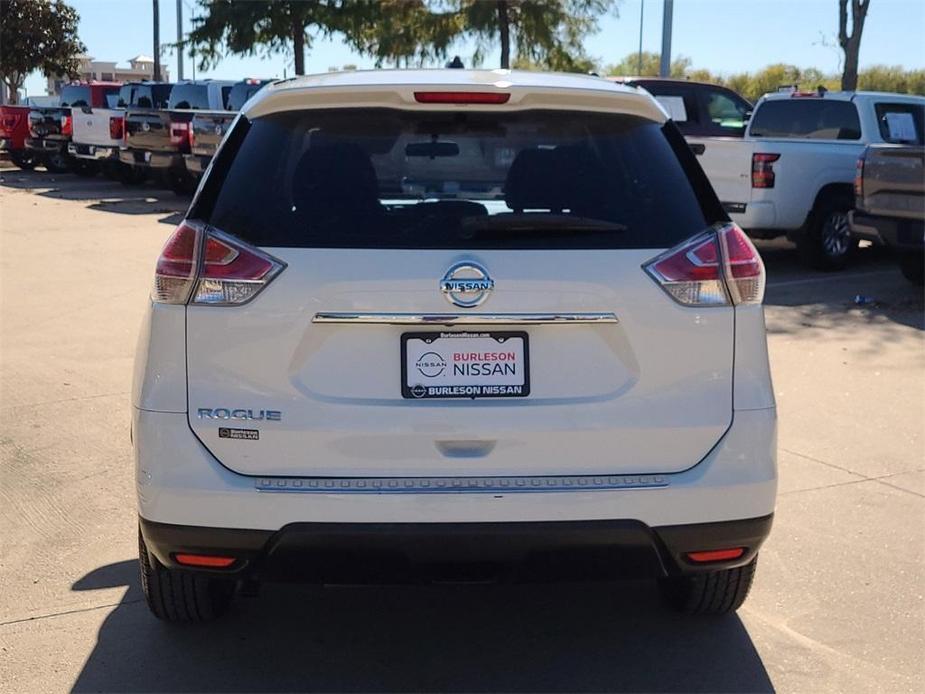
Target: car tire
<point>174,595</point>
<point>713,592</point>
<point>57,162</point>
<point>827,243</point>
<point>912,265</point>
<point>85,169</point>
<point>24,159</point>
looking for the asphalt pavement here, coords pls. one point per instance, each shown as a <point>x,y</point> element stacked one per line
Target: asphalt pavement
<point>837,604</point>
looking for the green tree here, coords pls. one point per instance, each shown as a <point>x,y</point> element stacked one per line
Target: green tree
<point>275,26</point>
<point>631,66</point>
<point>545,33</point>
<point>37,35</point>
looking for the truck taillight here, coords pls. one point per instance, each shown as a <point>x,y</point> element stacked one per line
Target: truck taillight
<point>180,135</point>
<point>719,267</point>
<point>859,181</point>
<point>116,128</point>
<point>67,125</point>
<point>201,265</point>
<point>763,169</point>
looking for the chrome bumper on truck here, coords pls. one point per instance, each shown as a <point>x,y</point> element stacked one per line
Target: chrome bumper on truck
<point>95,152</point>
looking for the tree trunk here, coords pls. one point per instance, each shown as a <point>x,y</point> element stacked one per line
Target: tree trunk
<point>504,33</point>
<point>851,44</point>
<point>298,46</point>
<point>13,83</point>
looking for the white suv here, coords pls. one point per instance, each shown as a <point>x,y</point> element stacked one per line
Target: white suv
<point>423,325</point>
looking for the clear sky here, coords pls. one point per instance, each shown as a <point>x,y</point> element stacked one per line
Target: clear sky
<point>723,36</point>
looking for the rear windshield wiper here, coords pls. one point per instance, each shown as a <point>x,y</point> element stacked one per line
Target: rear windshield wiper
<point>538,222</point>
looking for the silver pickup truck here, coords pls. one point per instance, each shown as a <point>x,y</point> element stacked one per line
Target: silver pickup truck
<point>890,199</point>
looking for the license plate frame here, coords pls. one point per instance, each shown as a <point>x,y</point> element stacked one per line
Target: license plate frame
<point>466,391</point>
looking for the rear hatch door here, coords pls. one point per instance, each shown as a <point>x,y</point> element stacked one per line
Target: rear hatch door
<point>371,210</point>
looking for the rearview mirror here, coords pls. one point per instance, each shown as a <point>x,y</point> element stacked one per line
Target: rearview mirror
<point>432,150</point>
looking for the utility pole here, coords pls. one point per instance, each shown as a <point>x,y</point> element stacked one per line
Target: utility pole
<point>642,12</point>
<point>665,66</point>
<point>157,41</point>
<point>179,39</point>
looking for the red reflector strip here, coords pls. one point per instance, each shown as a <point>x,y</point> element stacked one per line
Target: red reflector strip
<point>715,555</point>
<point>204,560</point>
<point>462,97</point>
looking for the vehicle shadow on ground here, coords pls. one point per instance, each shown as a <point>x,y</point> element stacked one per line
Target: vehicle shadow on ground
<point>101,193</point>
<point>870,290</point>
<point>543,638</point>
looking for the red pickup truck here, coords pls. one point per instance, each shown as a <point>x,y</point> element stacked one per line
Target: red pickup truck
<point>14,129</point>
<point>50,129</point>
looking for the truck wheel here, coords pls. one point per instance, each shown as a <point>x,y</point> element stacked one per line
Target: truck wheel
<point>57,162</point>
<point>84,168</point>
<point>912,265</point>
<point>715,592</point>
<point>181,596</point>
<point>827,243</point>
<point>25,159</point>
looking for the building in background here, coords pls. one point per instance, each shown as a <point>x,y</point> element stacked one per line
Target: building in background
<point>141,67</point>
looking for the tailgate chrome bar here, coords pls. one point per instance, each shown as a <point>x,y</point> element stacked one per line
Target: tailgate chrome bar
<point>463,318</point>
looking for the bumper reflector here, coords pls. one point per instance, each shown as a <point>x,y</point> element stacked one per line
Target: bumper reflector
<point>715,555</point>
<point>204,560</point>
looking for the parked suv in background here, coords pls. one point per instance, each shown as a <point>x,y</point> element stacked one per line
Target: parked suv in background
<point>158,139</point>
<point>51,128</point>
<point>793,172</point>
<point>453,325</point>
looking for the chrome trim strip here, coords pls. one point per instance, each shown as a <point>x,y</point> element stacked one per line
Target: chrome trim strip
<point>462,318</point>
<point>457,485</point>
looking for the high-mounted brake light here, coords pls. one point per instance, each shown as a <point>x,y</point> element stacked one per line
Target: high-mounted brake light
<point>719,267</point>
<point>462,97</point>
<point>116,127</point>
<point>201,265</point>
<point>763,169</point>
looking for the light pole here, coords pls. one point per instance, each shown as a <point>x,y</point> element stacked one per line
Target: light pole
<point>179,39</point>
<point>642,11</point>
<point>157,41</point>
<point>665,66</point>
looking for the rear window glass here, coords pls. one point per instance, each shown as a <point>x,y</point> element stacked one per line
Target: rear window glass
<point>75,96</point>
<point>813,119</point>
<point>240,93</point>
<point>901,123</point>
<point>192,96</point>
<point>381,178</point>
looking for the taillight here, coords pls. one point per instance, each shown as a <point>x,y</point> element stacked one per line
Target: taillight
<point>462,97</point>
<point>763,169</point>
<point>67,127</point>
<point>201,265</point>
<point>859,181</point>
<point>180,135</point>
<point>719,267</point>
<point>116,127</point>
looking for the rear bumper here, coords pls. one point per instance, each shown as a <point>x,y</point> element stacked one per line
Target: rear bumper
<point>196,164</point>
<point>900,234</point>
<point>148,159</point>
<point>41,144</point>
<point>412,552</point>
<point>94,152</point>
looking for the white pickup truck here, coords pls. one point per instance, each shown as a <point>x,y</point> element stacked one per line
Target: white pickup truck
<point>792,173</point>
<point>98,133</point>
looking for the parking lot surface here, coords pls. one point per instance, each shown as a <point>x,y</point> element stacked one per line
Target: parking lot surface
<point>837,605</point>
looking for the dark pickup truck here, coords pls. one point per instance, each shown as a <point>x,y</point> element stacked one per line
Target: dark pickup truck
<point>50,128</point>
<point>890,200</point>
<point>208,128</point>
<point>158,139</point>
